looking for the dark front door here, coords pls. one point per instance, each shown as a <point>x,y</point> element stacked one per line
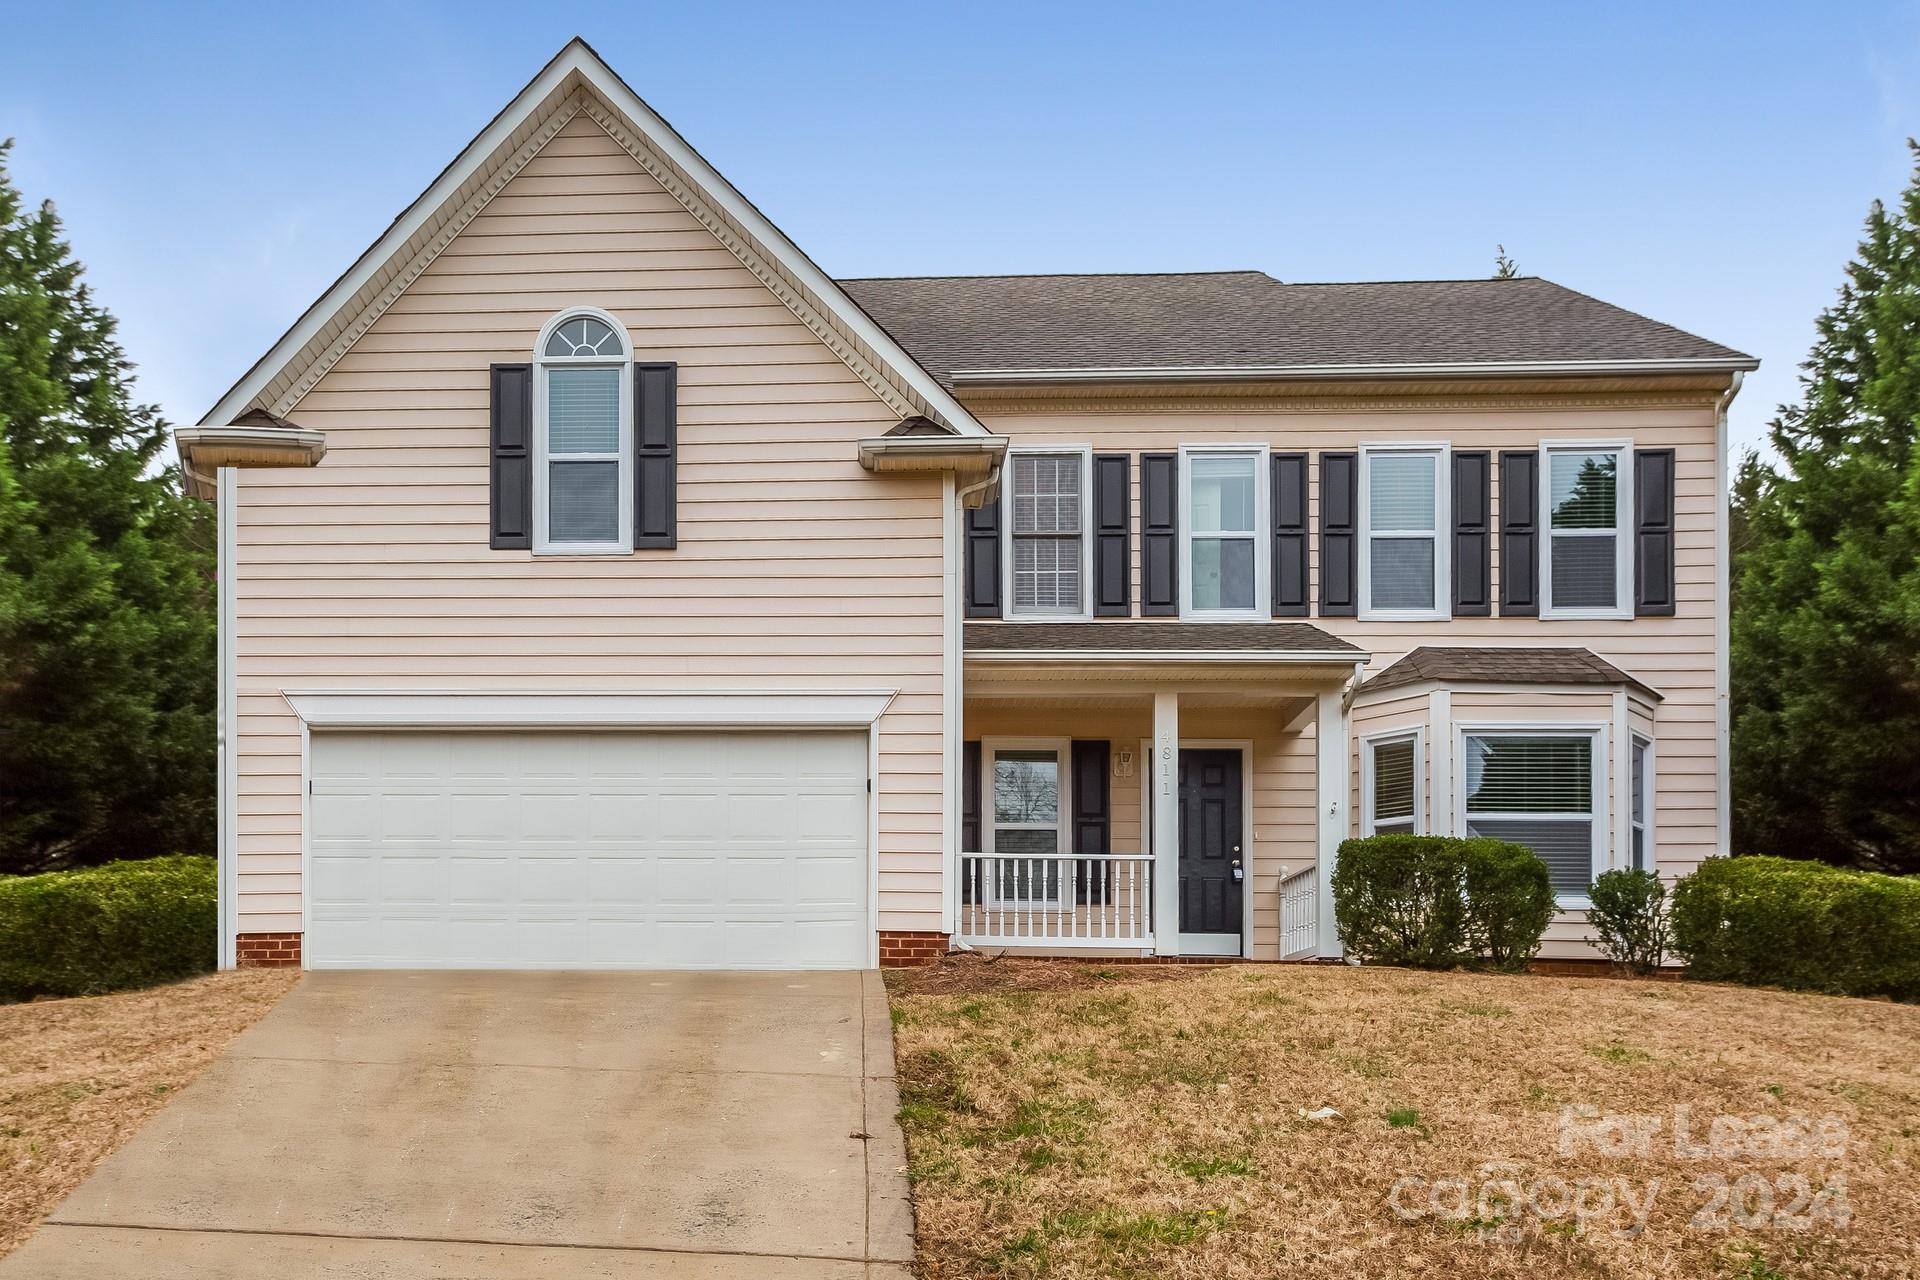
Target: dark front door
<point>1211,829</point>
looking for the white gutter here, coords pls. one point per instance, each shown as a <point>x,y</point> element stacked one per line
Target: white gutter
<point>204,450</point>
<point>1285,372</point>
<point>913,450</point>
<point>1303,657</point>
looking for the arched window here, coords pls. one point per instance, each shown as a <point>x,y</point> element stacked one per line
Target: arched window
<point>583,435</point>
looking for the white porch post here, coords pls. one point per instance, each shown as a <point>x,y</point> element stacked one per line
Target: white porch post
<point>1166,824</point>
<point>1330,739</point>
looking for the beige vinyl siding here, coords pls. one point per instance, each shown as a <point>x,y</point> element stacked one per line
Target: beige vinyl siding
<point>795,568</point>
<point>1673,655</point>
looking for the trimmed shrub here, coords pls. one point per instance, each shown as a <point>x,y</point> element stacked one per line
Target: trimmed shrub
<point>1509,903</point>
<point>1433,902</point>
<point>108,928</point>
<point>1397,900</point>
<point>1806,926</point>
<point>1629,918</point>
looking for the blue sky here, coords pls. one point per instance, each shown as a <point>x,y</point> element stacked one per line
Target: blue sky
<point>1706,163</point>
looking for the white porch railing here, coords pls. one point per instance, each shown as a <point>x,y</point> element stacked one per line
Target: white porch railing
<point>1012,901</point>
<point>1300,913</point>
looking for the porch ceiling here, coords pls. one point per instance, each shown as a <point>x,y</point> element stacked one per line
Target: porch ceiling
<point>1287,701</point>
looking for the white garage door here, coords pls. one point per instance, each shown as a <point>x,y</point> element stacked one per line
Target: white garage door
<point>588,850</point>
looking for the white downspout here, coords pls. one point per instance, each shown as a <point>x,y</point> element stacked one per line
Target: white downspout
<point>227,836</point>
<point>953,685</point>
<point>1722,640</point>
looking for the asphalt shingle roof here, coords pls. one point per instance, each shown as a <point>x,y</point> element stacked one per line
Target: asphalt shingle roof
<point>1504,666</point>
<point>1153,637</point>
<point>1249,319</point>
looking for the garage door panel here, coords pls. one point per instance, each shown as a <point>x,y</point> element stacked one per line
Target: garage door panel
<point>589,849</point>
<point>838,881</point>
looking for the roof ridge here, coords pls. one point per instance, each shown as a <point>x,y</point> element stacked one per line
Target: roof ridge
<point>1071,275</point>
<point>1319,284</point>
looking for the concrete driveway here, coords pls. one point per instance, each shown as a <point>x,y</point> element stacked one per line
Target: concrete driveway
<point>517,1125</point>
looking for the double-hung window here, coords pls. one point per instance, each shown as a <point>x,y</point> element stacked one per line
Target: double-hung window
<point>583,437</point>
<point>1642,804</point>
<point>1538,788</point>
<point>1028,832</point>
<point>1392,777</point>
<point>1585,497</point>
<point>1223,513</point>
<point>1404,567</point>
<point>1047,539</point>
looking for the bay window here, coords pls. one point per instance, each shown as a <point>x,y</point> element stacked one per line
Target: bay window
<point>1404,564</point>
<point>1223,515</point>
<point>1538,788</point>
<point>1642,804</point>
<point>1391,780</point>
<point>1047,539</point>
<point>1587,571</point>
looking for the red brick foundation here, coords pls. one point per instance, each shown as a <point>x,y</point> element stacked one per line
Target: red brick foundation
<point>904,949</point>
<point>267,950</point>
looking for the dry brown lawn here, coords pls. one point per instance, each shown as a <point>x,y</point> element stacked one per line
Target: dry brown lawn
<point>77,1077</point>
<point>1065,1120</point>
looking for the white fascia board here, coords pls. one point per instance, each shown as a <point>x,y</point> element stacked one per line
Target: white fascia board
<point>1305,657</point>
<point>393,241</point>
<point>711,709</point>
<point>1506,688</point>
<point>580,59</point>
<point>668,142</point>
<point>1284,372</point>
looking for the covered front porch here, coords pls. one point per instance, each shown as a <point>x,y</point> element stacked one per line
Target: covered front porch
<point>1165,788</point>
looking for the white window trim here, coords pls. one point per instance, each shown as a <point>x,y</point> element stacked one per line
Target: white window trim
<point>1442,532</point>
<point>1602,831</point>
<point>1622,528</point>
<point>990,749</point>
<point>1007,607</point>
<point>1418,736</point>
<point>542,363</point>
<point>1262,534</point>
<point>1648,848</point>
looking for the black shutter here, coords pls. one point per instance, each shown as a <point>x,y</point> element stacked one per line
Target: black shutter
<point>1090,819</point>
<point>510,483</point>
<point>1473,534</point>
<point>1653,570</point>
<point>969,819</point>
<point>1290,536</point>
<point>983,562</point>
<point>1112,535</point>
<point>1160,535</point>
<point>1519,534</point>
<point>1339,534</point>
<point>655,411</point>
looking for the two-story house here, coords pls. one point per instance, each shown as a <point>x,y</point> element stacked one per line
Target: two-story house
<point>603,585</point>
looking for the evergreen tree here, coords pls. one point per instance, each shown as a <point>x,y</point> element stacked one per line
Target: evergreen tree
<point>106,584</point>
<point>1826,636</point>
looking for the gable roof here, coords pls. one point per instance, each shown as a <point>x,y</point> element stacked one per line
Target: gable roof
<point>577,81</point>
<point>1246,323</point>
<point>1504,666</point>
